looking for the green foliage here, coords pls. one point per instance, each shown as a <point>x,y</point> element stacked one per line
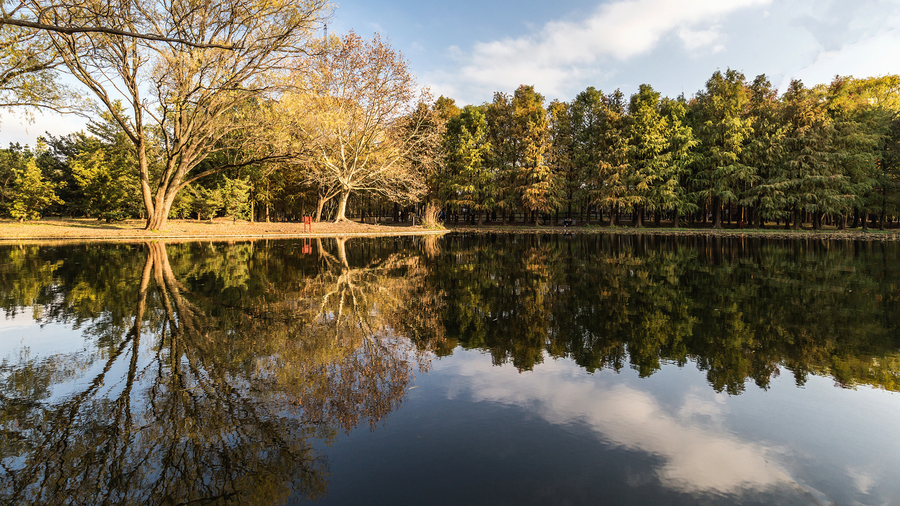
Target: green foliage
<point>724,132</point>
<point>106,178</point>
<point>205,202</point>
<point>472,183</point>
<point>235,198</point>
<point>32,193</point>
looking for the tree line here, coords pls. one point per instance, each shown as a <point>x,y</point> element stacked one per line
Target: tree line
<point>735,151</point>
<point>242,109</point>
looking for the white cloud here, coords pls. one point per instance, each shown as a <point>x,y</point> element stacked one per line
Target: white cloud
<point>699,453</point>
<point>876,55</point>
<point>697,39</point>
<point>563,51</point>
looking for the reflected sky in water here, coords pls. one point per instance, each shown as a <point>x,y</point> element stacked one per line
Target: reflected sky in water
<point>463,370</point>
<point>482,434</point>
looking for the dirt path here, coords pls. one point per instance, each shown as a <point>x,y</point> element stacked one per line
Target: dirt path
<point>225,229</point>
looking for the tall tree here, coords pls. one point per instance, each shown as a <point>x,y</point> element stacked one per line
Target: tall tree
<point>502,160</point>
<point>537,185</point>
<point>648,178</point>
<point>602,153</point>
<point>861,112</point>
<point>723,131</point>
<point>473,183</point>
<point>810,178</point>
<point>562,153</point>
<point>764,152</point>
<point>206,59</point>
<point>680,155</point>
<point>364,122</point>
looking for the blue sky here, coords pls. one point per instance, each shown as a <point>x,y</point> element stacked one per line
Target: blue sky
<point>468,49</point>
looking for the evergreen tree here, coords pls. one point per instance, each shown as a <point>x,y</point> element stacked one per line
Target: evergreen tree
<point>537,185</point>
<point>721,174</point>
<point>764,152</point>
<point>562,153</point>
<point>472,183</point>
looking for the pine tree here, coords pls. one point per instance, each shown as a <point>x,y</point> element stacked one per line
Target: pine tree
<point>721,174</point>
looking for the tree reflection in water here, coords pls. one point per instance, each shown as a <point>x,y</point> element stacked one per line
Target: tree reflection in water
<point>212,388</point>
<point>210,368</point>
<point>740,310</point>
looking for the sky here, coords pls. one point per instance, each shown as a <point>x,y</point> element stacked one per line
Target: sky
<point>469,49</point>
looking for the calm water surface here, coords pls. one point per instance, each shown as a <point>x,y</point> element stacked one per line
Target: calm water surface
<point>458,370</point>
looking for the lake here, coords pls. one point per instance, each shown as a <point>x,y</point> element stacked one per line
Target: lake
<point>465,369</point>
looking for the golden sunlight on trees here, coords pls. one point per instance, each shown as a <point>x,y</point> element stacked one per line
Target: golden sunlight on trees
<point>183,92</point>
<point>366,125</point>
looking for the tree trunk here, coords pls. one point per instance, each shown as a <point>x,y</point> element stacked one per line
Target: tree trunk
<point>320,205</point>
<point>157,219</point>
<point>675,223</point>
<point>342,207</point>
<point>717,212</point>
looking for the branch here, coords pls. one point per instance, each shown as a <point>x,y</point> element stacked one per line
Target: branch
<point>110,31</point>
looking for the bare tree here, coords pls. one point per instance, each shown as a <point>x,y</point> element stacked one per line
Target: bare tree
<point>368,127</point>
<point>205,76</point>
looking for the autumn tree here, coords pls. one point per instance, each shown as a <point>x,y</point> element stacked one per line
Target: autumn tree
<point>184,79</point>
<point>648,178</point>
<point>28,63</point>
<point>360,114</point>
<point>537,185</point>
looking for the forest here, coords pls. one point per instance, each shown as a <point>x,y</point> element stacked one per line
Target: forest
<point>250,110</point>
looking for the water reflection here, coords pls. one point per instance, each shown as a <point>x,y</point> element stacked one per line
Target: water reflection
<point>696,453</point>
<point>740,310</point>
<point>209,369</point>
<point>210,372</point>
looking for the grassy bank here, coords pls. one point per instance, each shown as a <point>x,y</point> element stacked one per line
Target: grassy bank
<point>772,232</point>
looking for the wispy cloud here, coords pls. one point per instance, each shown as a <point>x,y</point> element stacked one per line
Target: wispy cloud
<point>565,51</point>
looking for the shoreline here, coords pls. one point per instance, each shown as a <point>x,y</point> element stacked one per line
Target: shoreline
<point>55,230</point>
<point>79,230</point>
<point>731,233</point>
